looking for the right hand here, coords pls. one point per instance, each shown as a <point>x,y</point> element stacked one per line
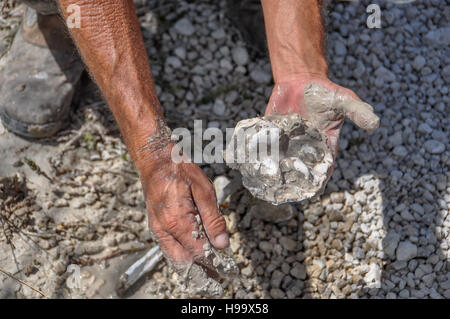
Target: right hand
<point>333,104</point>
<point>174,194</point>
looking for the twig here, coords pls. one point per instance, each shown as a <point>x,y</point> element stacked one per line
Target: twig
<point>41,235</point>
<point>22,282</point>
<point>8,241</point>
<point>89,261</point>
<point>36,168</point>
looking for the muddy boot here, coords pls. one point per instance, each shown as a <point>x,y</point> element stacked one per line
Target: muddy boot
<point>38,77</point>
<point>247,16</point>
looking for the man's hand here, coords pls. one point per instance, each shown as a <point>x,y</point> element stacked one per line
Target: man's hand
<point>112,47</point>
<point>322,102</point>
<point>295,39</point>
<point>175,193</point>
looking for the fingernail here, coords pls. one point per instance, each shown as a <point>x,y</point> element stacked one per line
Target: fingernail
<point>222,241</point>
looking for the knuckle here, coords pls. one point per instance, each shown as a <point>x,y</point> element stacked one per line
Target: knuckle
<point>154,226</point>
<point>177,225</point>
<point>171,225</point>
<point>216,223</point>
<point>158,233</point>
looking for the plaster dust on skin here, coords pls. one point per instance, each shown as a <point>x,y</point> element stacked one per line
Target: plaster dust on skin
<point>203,280</point>
<point>324,106</point>
<point>159,140</point>
<point>302,167</point>
<point>196,280</point>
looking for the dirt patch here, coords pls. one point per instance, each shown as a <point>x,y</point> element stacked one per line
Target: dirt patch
<point>16,206</point>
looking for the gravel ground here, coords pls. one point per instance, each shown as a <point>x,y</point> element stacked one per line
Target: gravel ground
<point>381,230</point>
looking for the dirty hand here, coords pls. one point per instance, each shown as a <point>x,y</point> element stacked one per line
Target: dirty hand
<point>175,193</point>
<point>323,103</point>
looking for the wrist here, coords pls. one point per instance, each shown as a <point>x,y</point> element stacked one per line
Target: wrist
<point>150,144</point>
<point>295,38</point>
<point>289,67</point>
<point>139,117</point>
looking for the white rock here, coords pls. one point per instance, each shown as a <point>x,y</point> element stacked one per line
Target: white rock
<point>231,97</point>
<point>417,208</point>
<point>406,251</point>
<point>390,243</point>
<point>260,76</point>
<point>298,271</point>
<point>218,34</point>
<point>439,37</point>
<point>384,74</point>
<point>406,215</point>
<point>215,124</point>
<point>180,52</point>
<point>184,27</point>
<point>340,48</point>
<point>226,64</point>
<point>2,128</point>
<point>447,294</point>
<point>247,271</point>
<point>391,295</point>
<point>220,182</point>
<point>424,128</point>
<point>404,293</point>
<point>288,243</point>
<point>400,151</point>
<point>434,147</point>
<point>240,55</point>
<point>373,276</point>
<point>396,139</point>
<point>173,62</point>
<point>359,70</point>
<point>365,228</point>
<point>361,197</point>
<point>429,279</point>
<point>419,62</point>
<point>219,107</point>
<point>445,284</point>
<point>265,246</point>
<point>276,293</point>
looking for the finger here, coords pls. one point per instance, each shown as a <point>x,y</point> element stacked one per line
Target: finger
<point>333,139</point>
<point>177,215</point>
<point>172,249</point>
<point>193,275</point>
<point>205,199</point>
<point>359,112</point>
<point>182,262</point>
<point>180,222</point>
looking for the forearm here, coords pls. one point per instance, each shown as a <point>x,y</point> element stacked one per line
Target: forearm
<point>112,47</point>
<point>295,38</point>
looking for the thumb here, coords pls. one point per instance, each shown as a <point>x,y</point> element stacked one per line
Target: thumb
<point>359,112</point>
